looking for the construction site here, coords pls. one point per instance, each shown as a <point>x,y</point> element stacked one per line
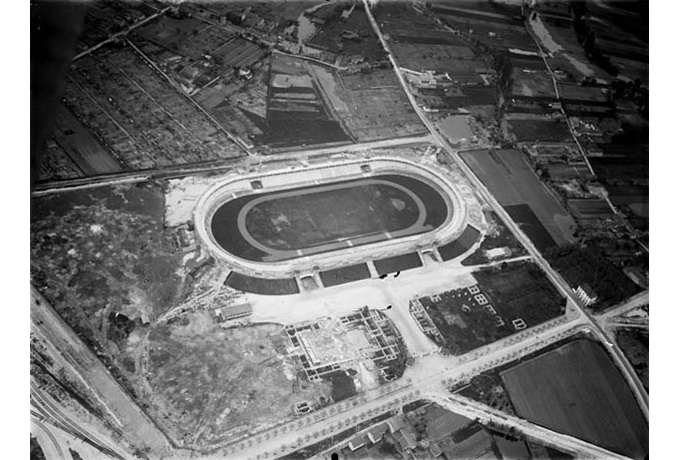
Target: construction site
<point>365,344</point>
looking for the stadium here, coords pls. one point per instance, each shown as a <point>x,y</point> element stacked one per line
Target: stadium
<point>301,222</point>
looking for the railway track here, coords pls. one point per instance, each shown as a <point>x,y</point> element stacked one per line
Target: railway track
<point>47,412</point>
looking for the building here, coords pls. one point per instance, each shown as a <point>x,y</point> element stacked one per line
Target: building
<point>355,338</point>
<point>586,294</point>
<point>189,72</point>
<point>498,253</point>
<point>185,239</point>
<point>395,423</point>
<point>234,312</point>
<point>405,440</point>
<point>426,80</point>
<point>435,450</point>
<point>638,276</point>
<point>244,73</point>
<point>376,433</point>
<point>356,443</point>
<point>350,35</point>
<point>302,408</point>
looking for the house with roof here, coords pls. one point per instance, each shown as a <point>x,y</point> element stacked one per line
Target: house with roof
<point>586,294</point>
<point>376,433</point>
<point>395,423</point>
<point>405,440</point>
<point>357,443</point>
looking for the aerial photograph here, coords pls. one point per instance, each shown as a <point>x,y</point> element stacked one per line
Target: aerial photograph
<point>339,229</point>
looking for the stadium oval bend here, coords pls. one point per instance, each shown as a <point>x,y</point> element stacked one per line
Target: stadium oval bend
<point>322,174</point>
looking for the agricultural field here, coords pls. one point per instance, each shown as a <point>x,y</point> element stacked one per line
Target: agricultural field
<point>105,18</point>
<point>617,169</point>
<point>532,84</point>
<point>422,44</point>
<point>554,27</point>
<point>539,130</point>
<point>447,55</point>
<point>403,16</point>
<point>635,197</point>
<point>371,105</point>
<point>586,94</point>
<point>55,164</point>
<point>138,116</point>
<point>297,110</point>
<point>347,32</point>
<point>498,27</point>
<point>621,34</point>
<point>578,390</point>
<point>479,101</point>
<point>506,299</point>
<point>205,64</point>
<point>81,147</point>
<point>187,37</point>
<point>512,181</point>
<point>527,220</point>
<point>635,345</point>
<point>239,106</point>
<point>238,53</point>
<point>626,158</point>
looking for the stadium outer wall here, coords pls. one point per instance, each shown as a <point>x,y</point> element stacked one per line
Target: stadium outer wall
<point>321,174</point>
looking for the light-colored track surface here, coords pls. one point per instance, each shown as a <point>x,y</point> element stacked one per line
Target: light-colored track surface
<point>324,173</point>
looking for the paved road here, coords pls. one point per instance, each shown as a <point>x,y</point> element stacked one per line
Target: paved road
<point>139,429</point>
<point>120,34</point>
<point>532,432</point>
<point>49,443</point>
<point>530,31</point>
<point>45,410</point>
<point>627,324</point>
<point>562,285</point>
<point>311,59</point>
<point>638,300</point>
<point>429,374</point>
<point>177,88</point>
<point>216,166</point>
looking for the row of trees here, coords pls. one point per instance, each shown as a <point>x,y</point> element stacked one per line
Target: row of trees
<point>586,37</point>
